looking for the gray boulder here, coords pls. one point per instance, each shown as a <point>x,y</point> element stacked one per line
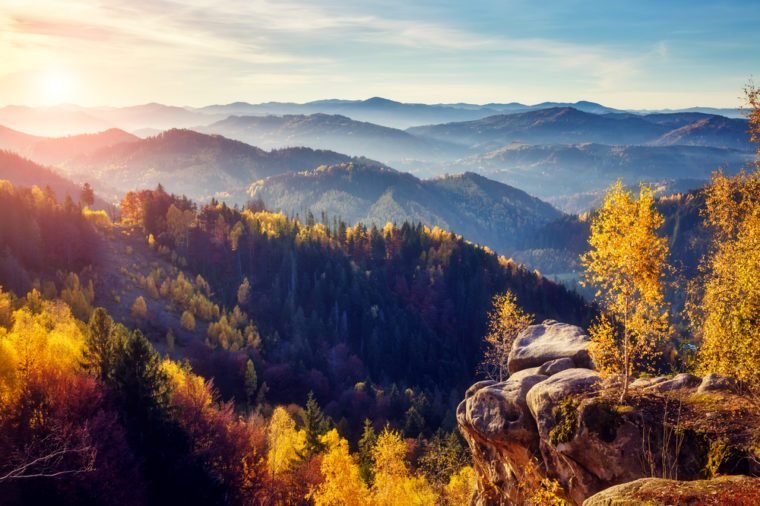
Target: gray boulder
<point>552,367</point>
<point>545,396</point>
<point>715,382</point>
<point>549,341</point>
<point>500,409</point>
<point>678,382</point>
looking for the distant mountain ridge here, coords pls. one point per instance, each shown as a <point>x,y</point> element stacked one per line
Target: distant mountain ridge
<point>57,150</point>
<point>72,119</point>
<point>198,165</point>
<point>22,172</point>
<point>482,210</point>
<point>555,172</point>
<point>333,132</point>
<point>567,125</point>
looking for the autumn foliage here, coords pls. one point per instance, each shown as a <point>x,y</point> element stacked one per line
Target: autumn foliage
<point>91,411</point>
<point>627,265</point>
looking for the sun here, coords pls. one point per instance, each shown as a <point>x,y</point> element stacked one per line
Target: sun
<point>56,87</point>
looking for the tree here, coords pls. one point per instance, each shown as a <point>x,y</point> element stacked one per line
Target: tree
<point>505,321</point>
<point>187,320</point>
<point>6,309</point>
<point>58,459</point>
<point>342,483</point>
<point>251,381</point>
<point>139,382</point>
<point>139,307</point>
<point>244,293</point>
<point>98,352</point>
<point>461,487</point>
<point>179,223</point>
<point>394,483</point>
<point>444,456</point>
<point>87,195</point>
<point>315,425</point>
<point>366,444</point>
<point>627,265</point>
<point>170,340</point>
<point>727,314</point>
<point>285,442</point>
<point>752,97</point>
<point>725,309</point>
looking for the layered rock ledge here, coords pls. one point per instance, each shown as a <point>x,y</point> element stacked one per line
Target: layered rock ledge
<point>556,425</point>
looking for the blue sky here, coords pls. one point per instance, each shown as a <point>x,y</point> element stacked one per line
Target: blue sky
<point>628,54</point>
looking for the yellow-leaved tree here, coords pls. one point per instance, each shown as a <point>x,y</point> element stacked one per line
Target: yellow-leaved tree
<point>627,264</point>
<point>284,440</point>
<point>461,487</point>
<point>343,484</point>
<point>505,321</point>
<point>726,313</point>
<point>394,482</point>
<point>44,340</point>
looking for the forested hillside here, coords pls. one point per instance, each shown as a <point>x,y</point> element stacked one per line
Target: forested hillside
<point>267,307</point>
<point>483,211</point>
<point>555,248</point>
<point>25,173</point>
<point>575,176</point>
<point>333,132</point>
<point>326,295</point>
<point>199,165</point>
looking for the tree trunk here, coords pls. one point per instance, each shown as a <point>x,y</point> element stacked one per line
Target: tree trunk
<point>626,358</point>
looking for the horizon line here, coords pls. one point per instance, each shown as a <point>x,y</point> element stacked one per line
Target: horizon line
<point>360,100</point>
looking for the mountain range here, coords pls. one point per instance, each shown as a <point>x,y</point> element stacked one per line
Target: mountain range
<point>198,165</point>
<point>334,132</point>
<point>567,125</point>
<point>557,171</point>
<point>73,119</point>
<point>482,210</point>
<point>563,153</point>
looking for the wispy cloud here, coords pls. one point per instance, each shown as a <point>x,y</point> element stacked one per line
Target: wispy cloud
<point>220,49</point>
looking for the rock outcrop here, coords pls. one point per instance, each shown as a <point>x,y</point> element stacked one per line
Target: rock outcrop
<point>548,342</point>
<point>722,491</point>
<point>556,427</point>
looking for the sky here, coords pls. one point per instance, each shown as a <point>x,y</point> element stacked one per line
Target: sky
<point>637,54</point>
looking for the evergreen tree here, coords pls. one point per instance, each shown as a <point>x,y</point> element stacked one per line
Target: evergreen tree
<point>98,349</point>
<point>141,389</point>
<point>139,382</point>
<point>315,425</point>
<point>251,381</point>
<point>366,443</point>
<point>87,195</point>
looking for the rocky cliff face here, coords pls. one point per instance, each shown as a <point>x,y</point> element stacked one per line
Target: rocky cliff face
<point>556,427</point>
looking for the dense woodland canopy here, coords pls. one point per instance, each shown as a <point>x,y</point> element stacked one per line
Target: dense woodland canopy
<point>39,237</point>
<point>272,309</point>
<point>336,305</point>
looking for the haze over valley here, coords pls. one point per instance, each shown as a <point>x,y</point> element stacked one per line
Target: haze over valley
<point>466,175</point>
